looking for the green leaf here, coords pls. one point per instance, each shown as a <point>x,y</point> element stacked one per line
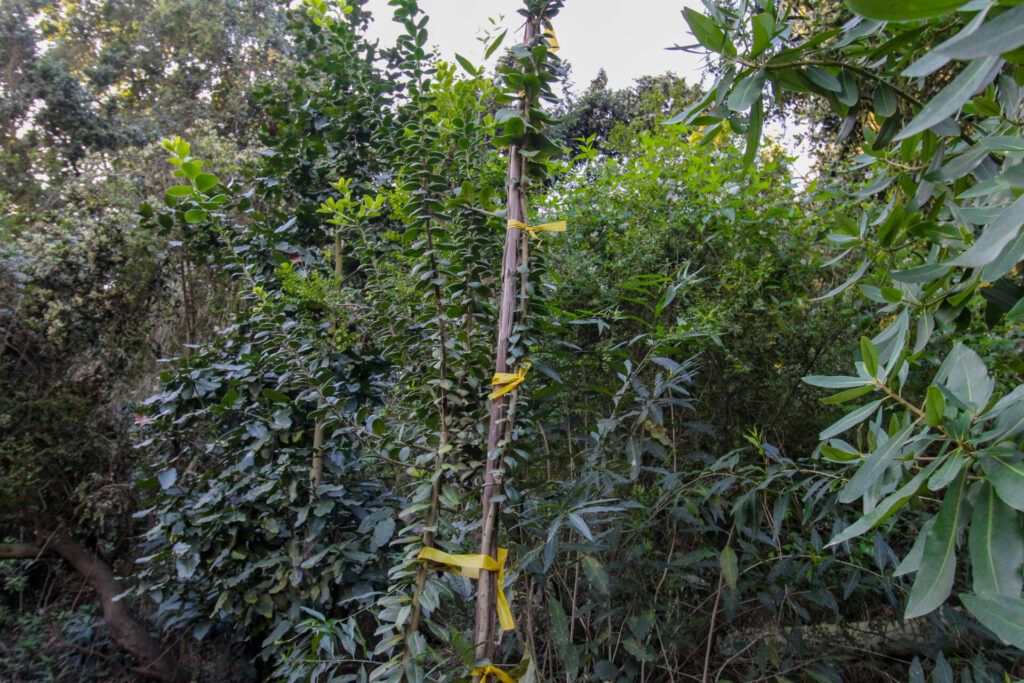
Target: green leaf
<point>854,418</point>
<point>869,354</point>
<point>890,505</point>
<point>996,545</point>
<point>875,465</point>
<point>195,215</point>
<point>167,478</point>
<point>560,631</point>
<point>966,377</point>
<point>180,191</point>
<point>205,181</point>
<point>940,107</point>
<point>754,131</point>
<point>747,91</point>
<point>837,382</point>
<point>884,100</point>
<point>846,285</point>
<point>1006,473</point>
<point>1003,143</point>
<point>934,406</point>
<point>849,93</point>
<point>848,395</point>
<point>466,64</point>
<point>903,10</point>
<point>996,36</point>
<point>705,30</point>
<point>912,561</point>
<point>837,454</point>
<point>729,565</point>
<point>577,523</point>
<point>276,396</point>
<point>382,532</point>
<point>495,45</point>
<point>764,27</point>
<point>1002,615</point>
<point>934,580</point>
<point>596,574</point>
<point>823,78</point>
<point>994,238</point>
<point>688,114</point>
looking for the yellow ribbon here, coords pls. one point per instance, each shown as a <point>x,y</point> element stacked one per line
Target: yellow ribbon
<point>511,380</point>
<point>490,669</point>
<point>557,226</point>
<point>552,39</point>
<point>470,566</point>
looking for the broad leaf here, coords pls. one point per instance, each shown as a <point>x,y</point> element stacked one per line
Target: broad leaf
<point>747,91</point>
<point>705,30</point>
<point>596,574</point>
<point>205,181</point>
<point>1005,470</point>
<point>1002,615</point>
<point>996,545</point>
<point>934,579</point>
<point>966,377</point>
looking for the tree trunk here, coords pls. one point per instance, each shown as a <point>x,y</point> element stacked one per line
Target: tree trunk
<point>125,631</point>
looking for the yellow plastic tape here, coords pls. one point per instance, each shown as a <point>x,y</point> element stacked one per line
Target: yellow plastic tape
<point>552,39</point>
<point>510,380</point>
<point>491,670</point>
<point>557,226</point>
<point>470,566</point>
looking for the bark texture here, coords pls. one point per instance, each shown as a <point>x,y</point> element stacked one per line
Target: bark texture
<point>126,632</point>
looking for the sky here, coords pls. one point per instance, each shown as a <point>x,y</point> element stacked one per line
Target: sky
<point>628,40</point>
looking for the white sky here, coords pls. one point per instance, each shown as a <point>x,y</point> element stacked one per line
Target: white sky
<point>627,41</point>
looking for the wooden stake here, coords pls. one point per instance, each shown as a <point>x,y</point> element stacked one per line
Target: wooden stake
<point>486,604</point>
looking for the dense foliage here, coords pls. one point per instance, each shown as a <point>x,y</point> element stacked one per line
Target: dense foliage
<point>672,497</point>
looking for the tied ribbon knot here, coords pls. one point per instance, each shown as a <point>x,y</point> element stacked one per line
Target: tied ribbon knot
<point>491,670</point>
<point>510,380</point>
<point>470,566</point>
<point>556,226</point>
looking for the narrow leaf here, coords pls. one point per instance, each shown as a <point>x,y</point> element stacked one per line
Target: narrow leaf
<point>953,96</point>
<point>846,285</point>
<point>854,418</point>
<point>754,131</point>
<point>730,567</point>
<point>869,354</point>
<point>875,465</point>
<point>1001,232</point>
<point>935,406</point>
<point>904,10</point>
<point>934,579</point>
<point>997,36</point>
<point>887,507</point>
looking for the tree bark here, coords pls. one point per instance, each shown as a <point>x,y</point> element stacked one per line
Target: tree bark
<point>155,661</point>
